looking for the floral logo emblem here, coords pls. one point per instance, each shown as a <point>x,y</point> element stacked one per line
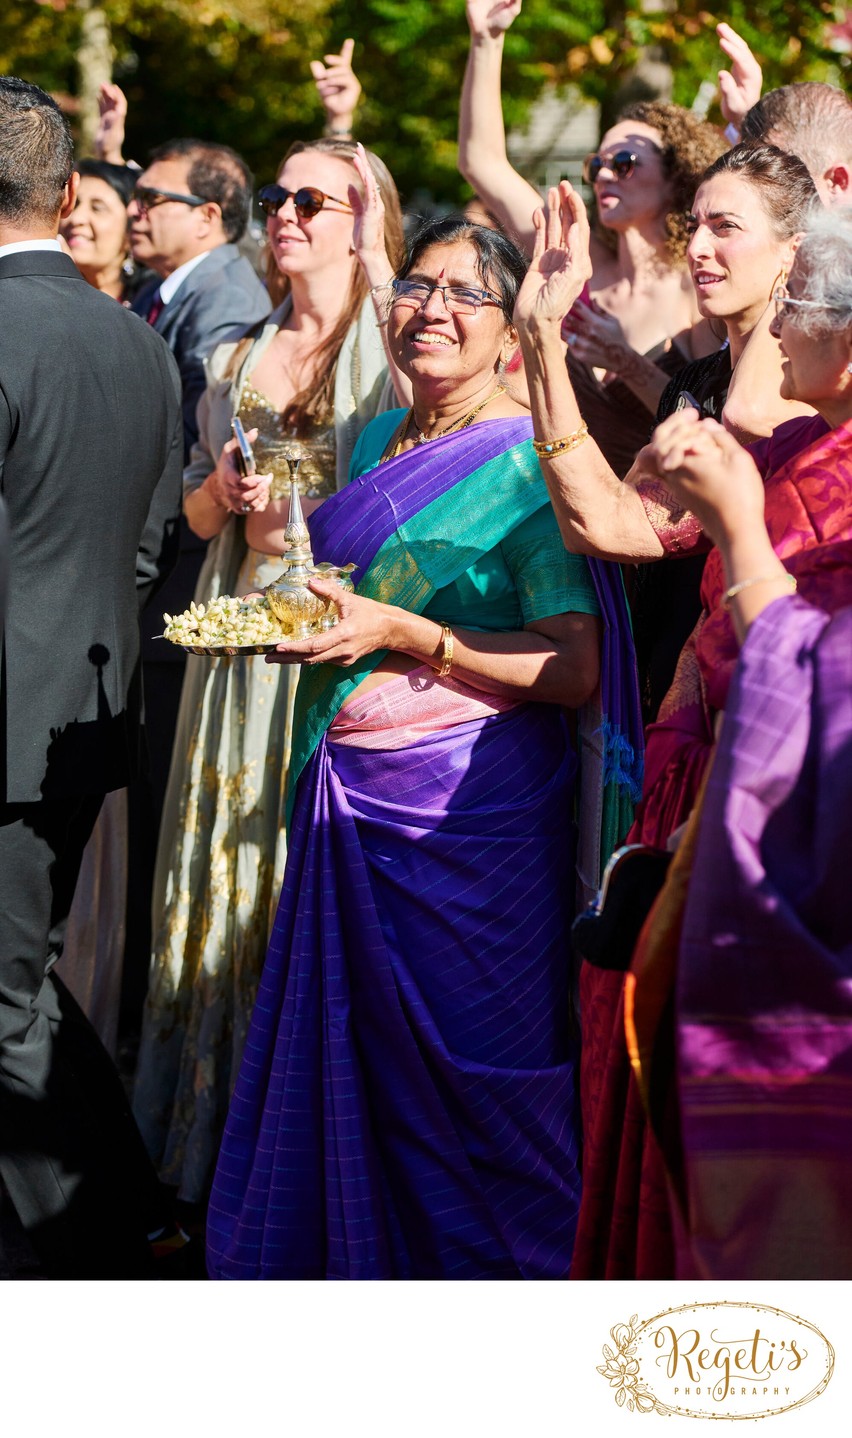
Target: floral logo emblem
<point>717,1360</point>
<point>622,1370</point>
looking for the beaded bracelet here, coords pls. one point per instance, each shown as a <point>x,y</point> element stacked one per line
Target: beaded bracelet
<point>552,448</point>
<point>736,589</point>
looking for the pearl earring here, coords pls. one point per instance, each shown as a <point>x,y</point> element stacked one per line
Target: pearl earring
<point>849,368</point>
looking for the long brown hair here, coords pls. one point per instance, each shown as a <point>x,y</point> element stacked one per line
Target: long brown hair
<point>316,400</point>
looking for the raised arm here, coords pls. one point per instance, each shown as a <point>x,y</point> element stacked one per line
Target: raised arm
<point>368,242</point>
<point>112,116</point>
<point>339,89</point>
<point>597,513</point>
<point>482,138</point>
<point>741,85</point>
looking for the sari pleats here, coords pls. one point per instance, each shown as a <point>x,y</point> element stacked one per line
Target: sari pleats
<point>407,1104</point>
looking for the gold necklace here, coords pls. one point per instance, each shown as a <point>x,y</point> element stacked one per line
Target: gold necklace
<point>453,428</point>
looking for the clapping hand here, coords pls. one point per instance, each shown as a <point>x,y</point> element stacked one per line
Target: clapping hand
<point>112,114</point>
<point>741,85</point>
<point>560,264</point>
<point>368,230</point>
<point>491,17</point>
<point>708,472</point>
<point>338,86</point>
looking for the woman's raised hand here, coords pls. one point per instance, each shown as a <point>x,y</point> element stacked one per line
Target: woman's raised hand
<point>233,490</point>
<point>560,264</point>
<point>708,472</point>
<point>112,116</point>
<point>368,231</point>
<point>363,627</point>
<point>741,85</point>
<point>338,87</point>
<point>491,17</point>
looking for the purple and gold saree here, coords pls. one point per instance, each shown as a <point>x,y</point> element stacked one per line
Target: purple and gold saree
<point>407,1104</point>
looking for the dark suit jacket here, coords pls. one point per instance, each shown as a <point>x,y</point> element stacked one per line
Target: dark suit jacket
<point>217,301</point>
<point>4,562</point>
<point>90,471</point>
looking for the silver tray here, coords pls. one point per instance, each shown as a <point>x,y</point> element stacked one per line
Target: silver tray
<point>231,651</point>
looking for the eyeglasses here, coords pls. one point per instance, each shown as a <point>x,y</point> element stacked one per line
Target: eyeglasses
<point>458,299</point>
<point>784,304</point>
<point>308,201</point>
<point>146,198</point>
<point>622,164</point>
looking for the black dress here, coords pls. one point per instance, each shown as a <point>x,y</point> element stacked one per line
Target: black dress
<point>666,597</point>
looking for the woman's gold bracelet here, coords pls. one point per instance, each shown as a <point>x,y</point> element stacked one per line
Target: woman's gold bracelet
<point>552,448</point>
<point>447,651</point>
<point>736,589</point>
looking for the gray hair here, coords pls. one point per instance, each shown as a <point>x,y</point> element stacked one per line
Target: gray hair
<point>809,119</point>
<point>824,264</point>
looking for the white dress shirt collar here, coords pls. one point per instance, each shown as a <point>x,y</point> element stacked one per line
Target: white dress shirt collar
<point>21,245</point>
<point>172,283</point>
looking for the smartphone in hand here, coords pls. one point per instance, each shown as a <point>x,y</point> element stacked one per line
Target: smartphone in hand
<point>245,453</point>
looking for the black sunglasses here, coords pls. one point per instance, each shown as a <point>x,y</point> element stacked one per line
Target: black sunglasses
<point>622,164</point>
<point>148,199</point>
<point>307,200</point>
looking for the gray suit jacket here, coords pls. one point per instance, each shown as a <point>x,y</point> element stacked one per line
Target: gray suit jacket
<point>217,301</point>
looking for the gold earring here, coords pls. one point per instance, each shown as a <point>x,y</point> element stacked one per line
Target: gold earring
<point>780,280</point>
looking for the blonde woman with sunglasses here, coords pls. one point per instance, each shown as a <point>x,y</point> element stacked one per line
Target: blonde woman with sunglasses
<point>304,382</point>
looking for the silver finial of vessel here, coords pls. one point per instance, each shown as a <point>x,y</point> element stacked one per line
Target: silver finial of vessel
<point>296,533</point>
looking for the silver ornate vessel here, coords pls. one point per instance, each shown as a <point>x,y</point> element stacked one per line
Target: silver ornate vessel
<point>299,611</point>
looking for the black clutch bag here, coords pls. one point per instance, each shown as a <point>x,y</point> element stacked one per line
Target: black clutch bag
<point>605,933</point>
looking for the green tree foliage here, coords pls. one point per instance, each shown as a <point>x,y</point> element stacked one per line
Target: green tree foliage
<point>238,71</point>
<point>791,38</point>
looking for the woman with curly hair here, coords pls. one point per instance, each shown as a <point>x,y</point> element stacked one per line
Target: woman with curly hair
<point>638,322</point>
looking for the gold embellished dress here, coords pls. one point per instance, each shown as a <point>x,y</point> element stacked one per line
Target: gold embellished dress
<point>220,857</point>
<point>226,862</point>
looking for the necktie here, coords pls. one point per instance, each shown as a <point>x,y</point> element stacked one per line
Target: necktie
<point>156,309</point>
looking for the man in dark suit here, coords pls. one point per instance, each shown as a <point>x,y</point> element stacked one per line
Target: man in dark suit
<point>192,206</point>
<point>91,445</point>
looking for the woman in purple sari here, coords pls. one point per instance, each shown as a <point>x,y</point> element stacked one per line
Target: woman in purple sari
<point>406,1106</point>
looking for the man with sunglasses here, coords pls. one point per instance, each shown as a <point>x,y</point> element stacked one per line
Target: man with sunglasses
<point>190,209</point>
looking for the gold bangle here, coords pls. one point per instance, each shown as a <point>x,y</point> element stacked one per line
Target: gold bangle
<point>447,651</point>
<point>552,448</point>
<point>736,589</point>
